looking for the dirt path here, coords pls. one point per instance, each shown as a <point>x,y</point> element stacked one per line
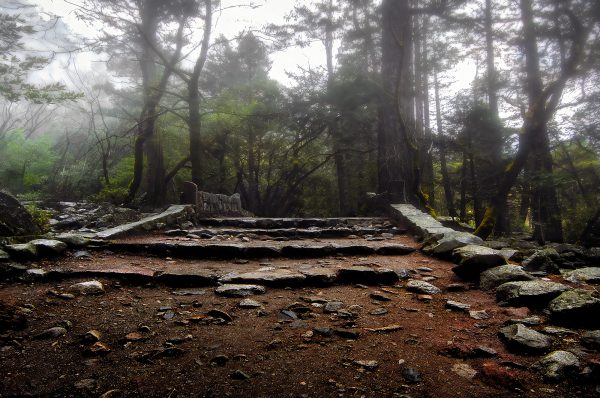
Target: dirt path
<point>154,341</point>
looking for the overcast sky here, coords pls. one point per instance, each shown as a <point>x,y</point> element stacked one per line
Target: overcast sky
<point>229,22</point>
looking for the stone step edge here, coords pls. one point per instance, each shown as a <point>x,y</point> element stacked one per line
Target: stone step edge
<point>303,278</point>
<point>232,251</point>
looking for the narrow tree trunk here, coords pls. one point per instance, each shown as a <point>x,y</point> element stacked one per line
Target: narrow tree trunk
<point>448,194</point>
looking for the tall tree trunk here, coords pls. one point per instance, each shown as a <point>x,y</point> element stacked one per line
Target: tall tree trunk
<point>491,68</point>
<point>398,163</point>
<point>194,119</point>
<point>448,194</point>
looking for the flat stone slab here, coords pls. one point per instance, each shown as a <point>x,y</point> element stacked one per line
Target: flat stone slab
<point>174,214</point>
<point>367,275</point>
<point>529,293</point>
<point>318,276</point>
<point>494,277</point>
<point>274,223</point>
<point>422,287</point>
<point>522,339</point>
<point>269,278</point>
<point>242,290</point>
<point>187,278</point>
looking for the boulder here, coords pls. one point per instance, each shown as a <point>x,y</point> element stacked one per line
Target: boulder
<point>448,241</point>
<point>542,261</point>
<point>584,275</point>
<point>558,365</point>
<point>474,259</point>
<point>576,307</point>
<point>532,294</point>
<point>14,218</point>
<point>22,251</point>
<point>497,276</point>
<point>522,339</point>
<point>49,247</point>
<point>4,257</point>
<point>591,340</point>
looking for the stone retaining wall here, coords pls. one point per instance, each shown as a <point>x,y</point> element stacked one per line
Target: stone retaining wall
<point>211,204</point>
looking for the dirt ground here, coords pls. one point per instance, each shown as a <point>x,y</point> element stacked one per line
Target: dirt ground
<point>155,342</point>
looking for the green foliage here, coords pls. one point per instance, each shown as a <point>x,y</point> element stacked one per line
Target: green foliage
<point>40,216</point>
<point>26,163</point>
<point>116,191</point>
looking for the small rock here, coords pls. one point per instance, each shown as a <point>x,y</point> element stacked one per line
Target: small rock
<point>379,296</point>
<point>134,336</point>
<point>249,303</point>
<point>332,307</point>
<point>89,287</point>
<point>422,287</point>
<point>367,364</point>
<point>378,311</point>
<point>464,370</point>
<point>239,375</point>
<point>352,334</point>
<point>219,360</point>
<point>457,287</point>
<point>92,336</point>
<point>189,292</point>
<point>82,254</point>
<point>558,365</point>
<point>497,375</point>
<point>323,331</point>
<point>529,321</point>
<point>456,306</point>
<point>479,315</point>
<point>220,315</point>
<point>411,375</point>
<point>51,333</point>
<point>556,331</point>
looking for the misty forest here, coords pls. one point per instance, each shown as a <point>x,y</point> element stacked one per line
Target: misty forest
<point>514,148</point>
<point>286,198</point>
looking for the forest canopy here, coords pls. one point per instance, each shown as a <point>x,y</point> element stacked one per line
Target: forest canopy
<point>483,111</point>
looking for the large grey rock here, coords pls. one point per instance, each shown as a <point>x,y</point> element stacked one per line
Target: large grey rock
<point>422,287</point>
<point>172,216</point>
<point>591,339</point>
<point>584,275</point>
<point>22,251</point>
<point>4,257</point>
<point>522,339</point>
<point>576,307</point>
<point>49,247</point>
<point>558,365</point>
<point>542,260</point>
<point>528,293</point>
<point>233,290</point>
<point>450,241</point>
<point>497,276</point>
<point>14,218</point>
<point>474,259</point>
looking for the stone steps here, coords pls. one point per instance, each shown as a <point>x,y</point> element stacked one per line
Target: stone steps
<point>199,250</point>
<point>274,223</point>
<point>292,233</point>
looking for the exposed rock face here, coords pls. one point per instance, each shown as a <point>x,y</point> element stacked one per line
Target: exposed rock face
<point>584,275</point>
<point>528,293</point>
<point>576,307</point>
<point>558,365</point>
<point>497,276</point>
<point>14,218</point>
<point>474,259</point>
<point>520,338</point>
<point>22,251</point>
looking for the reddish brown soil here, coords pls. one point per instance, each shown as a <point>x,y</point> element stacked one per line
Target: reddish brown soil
<point>274,353</point>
